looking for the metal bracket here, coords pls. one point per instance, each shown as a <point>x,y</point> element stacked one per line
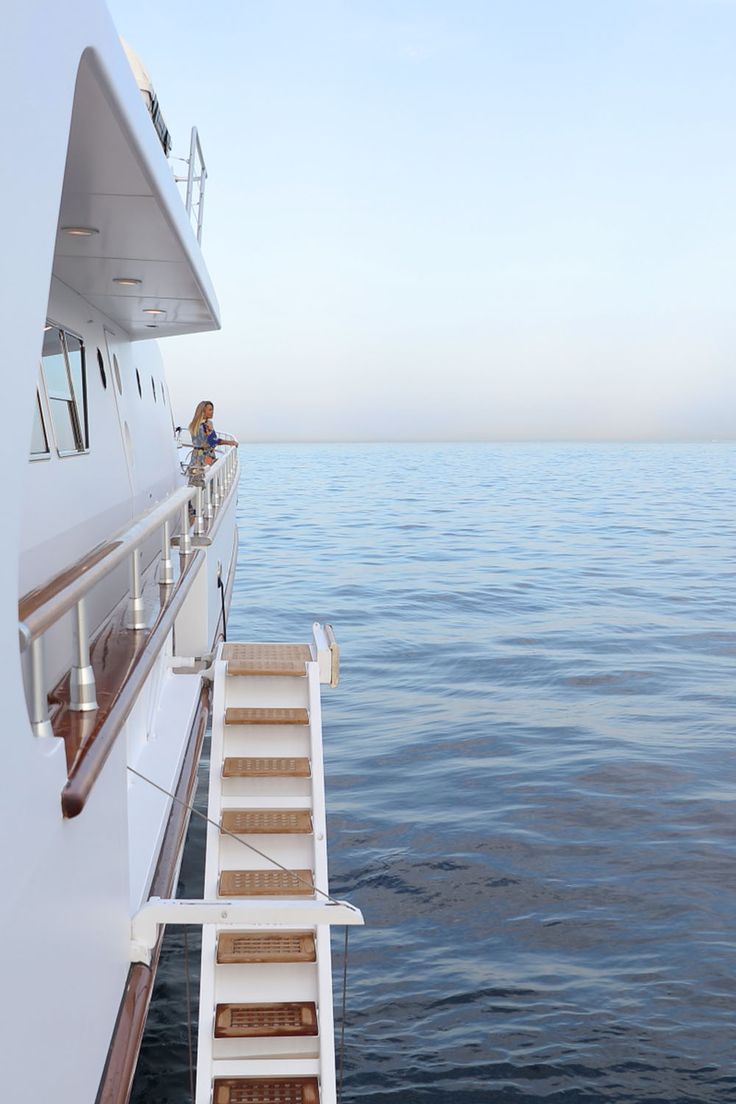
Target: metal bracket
<point>144,928</point>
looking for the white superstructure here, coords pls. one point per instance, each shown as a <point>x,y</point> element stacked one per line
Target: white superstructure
<point>113,599</point>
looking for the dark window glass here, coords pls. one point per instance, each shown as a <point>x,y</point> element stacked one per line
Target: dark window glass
<point>75,352</point>
<point>54,366</point>
<point>101,364</point>
<point>138,380</point>
<point>153,388</point>
<point>39,440</point>
<point>63,370</point>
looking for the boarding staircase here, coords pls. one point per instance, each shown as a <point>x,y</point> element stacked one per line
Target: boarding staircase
<point>266,1022</point>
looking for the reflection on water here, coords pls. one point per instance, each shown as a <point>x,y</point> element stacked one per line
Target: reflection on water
<point>531,780</point>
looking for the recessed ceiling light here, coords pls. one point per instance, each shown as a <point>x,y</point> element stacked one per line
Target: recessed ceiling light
<point>79,231</point>
<point>127,281</point>
<point>154,311</point>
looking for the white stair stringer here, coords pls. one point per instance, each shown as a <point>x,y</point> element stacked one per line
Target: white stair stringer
<point>263,1010</point>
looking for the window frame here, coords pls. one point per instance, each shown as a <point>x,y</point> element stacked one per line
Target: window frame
<point>43,415</point>
<point>79,421</point>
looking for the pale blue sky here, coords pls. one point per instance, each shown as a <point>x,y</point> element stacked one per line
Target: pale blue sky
<point>440,220</point>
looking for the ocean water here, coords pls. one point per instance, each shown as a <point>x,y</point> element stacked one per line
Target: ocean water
<point>530,763</point>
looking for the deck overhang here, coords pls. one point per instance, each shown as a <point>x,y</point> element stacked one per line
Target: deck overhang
<point>118,183</point>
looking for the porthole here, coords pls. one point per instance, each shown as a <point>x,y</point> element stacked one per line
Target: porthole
<point>116,370</point>
<point>138,381</point>
<point>153,388</point>
<point>101,364</point>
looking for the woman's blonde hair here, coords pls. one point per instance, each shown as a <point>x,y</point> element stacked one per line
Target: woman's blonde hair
<point>199,416</point>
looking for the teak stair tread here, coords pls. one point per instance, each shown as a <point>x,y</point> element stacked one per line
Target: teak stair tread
<point>235,947</point>
<point>266,821</point>
<point>267,659</point>
<point>237,715</point>
<point>266,883</point>
<point>272,1020</point>
<point>257,766</point>
<point>265,1090</point>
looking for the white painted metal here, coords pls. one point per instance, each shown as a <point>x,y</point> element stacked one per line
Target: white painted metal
<point>264,982</point>
<point>83,151</point>
<point>253,913</point>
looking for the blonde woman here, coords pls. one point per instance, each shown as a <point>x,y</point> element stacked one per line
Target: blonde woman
<point>204,438</point>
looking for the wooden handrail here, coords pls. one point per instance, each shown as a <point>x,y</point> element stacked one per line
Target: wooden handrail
<point>117,1078</point>
<point>41,608</point>
<point>87,768</point>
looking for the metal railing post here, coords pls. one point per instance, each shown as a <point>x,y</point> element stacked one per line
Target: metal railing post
<point>82,689</point>
<point>166,567</point>
<point>136,611</point>
<point>40,722</point>
<point>208,511</point>
<point>199,523</point>
<point>185,541</point>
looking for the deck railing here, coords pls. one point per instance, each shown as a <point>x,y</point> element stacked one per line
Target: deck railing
<point>40,609</point>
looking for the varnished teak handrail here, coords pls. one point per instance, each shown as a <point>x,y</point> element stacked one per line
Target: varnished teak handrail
<point>88,766</point>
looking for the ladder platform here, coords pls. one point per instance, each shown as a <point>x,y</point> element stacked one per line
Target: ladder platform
<point>243,822</point>
<point>266,1090</point>
<point>236,715</point>
<point>254,766</point>
<point>270,1021</point>
<point>266,883</point>
<point>267,659</point>
<point>245,947</point>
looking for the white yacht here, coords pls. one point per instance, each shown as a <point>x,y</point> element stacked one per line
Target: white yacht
<point>117,581</point>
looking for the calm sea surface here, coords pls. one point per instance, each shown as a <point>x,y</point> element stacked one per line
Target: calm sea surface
<point>530,763</point>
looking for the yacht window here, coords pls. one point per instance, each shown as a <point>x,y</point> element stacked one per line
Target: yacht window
<point>138,378</point>
<point>101,365</point>
<point>116,369</point>
<point>39,440</point>
<point>153,388</point>
<point>75,354</point>
<point>63,369</point>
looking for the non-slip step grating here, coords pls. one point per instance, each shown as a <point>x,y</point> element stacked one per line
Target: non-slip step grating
<point>262,716</point>
<point>266,883</point>
<point>266,659</point>
<point>266,1090</point>
<point>268,1021</point>
<point>243,947</point>
<point>266,821</point>
<point>250,766</point>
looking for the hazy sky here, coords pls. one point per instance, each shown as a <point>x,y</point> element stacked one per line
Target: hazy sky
<point>440,219</point>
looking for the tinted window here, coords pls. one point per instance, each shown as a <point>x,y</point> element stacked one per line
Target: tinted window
<point>39,440</point>
<point>63,370</point>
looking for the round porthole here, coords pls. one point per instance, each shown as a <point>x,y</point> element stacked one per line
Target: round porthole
<point>101,364</point>
<point>116,370</point>
<point>138,381</point>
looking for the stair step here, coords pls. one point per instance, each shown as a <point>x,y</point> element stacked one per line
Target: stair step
<point>267,659</point>
<point>252,766</point>
<point>265,1090</point>
<point>233,947</point>
<point>237,715</point>
<point>266,883</point>
<point>272,1020</point>
<point>266,821</point>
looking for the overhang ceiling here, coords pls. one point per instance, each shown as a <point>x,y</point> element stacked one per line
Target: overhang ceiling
<point>143,231</point>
